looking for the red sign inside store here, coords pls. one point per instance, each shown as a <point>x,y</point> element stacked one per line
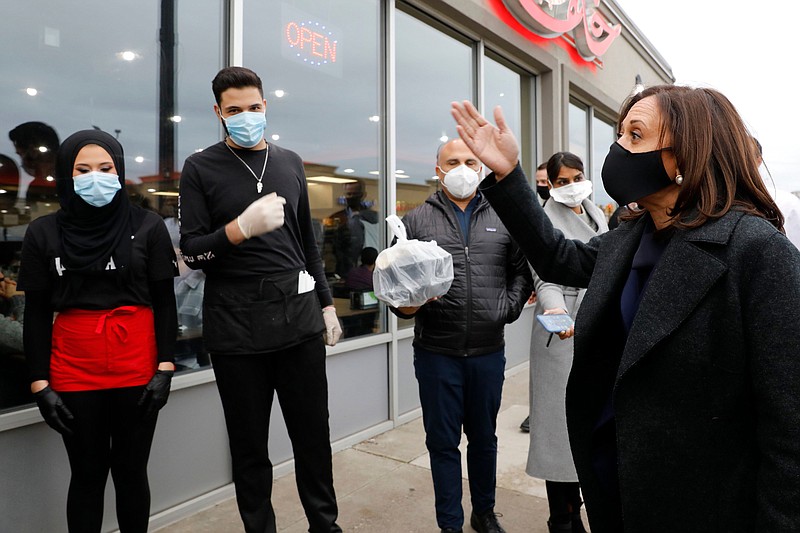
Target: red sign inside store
<point>580,21</point>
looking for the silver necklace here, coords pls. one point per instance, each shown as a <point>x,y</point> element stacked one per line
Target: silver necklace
<point>259,185</point>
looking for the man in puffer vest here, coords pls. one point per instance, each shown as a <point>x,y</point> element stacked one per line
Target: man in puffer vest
<point>459,350</point>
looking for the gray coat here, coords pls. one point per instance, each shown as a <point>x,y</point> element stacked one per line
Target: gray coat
<point>491,280</point>
<point>705,387</point>
<point>549,456</point>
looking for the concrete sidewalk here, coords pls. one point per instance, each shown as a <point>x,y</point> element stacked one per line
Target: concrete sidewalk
<point>384,483</point>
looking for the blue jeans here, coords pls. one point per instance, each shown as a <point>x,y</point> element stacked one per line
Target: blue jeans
<point>456,392</point>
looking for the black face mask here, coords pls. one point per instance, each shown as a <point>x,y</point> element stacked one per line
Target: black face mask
<point>629,177</point>
<point>543,191</point>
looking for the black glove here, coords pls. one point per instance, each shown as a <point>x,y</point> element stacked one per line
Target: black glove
<point>156,393</point>
<point>53,410</point>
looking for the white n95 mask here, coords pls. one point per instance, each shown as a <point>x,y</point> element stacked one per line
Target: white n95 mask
<point>462,181</point>
<point>573,194</point>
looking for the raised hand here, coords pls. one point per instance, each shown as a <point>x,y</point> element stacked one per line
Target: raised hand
<point>496,146</point>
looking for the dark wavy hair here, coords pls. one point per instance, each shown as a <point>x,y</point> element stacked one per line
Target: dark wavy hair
<point>560,160</point>
<point>714,153</point>
<point>236,77</point>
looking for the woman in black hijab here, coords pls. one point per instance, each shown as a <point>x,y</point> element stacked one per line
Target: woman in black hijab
<point>103,369</point>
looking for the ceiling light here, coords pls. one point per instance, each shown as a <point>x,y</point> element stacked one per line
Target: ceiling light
<point>50,178</point>
<point>3,191</point>
<point>31,91</point>
<point>374,118</point>
<point>151,190</point>
<point>275,137</point>
<point>128,55</point>
<point>443,138</point>
<point>198,150</point>
<point>400,171</point>
<point>348,170</point>
<point>375,172</point>
<point>166,193</point>
<point>43,149</point>
<point>279,93</point>
<point>330,179</point>
<point>139,159</point>
<point>175,118</point>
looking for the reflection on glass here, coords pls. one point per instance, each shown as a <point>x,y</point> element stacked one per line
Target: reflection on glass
<point>603,136</point>
<point>501,86</point>
<point>62,81</point>
<point>578,131</point>
<point>433,69</point>
<point>320,65</point>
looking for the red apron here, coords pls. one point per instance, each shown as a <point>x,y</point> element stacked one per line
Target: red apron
<point>105,349</point>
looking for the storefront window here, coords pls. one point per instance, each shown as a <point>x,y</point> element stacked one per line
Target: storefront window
<point>433,69</point>
<point>73,72</point>
<point>320,64</point>
<point>578,131</point>
<point>603,136</point>
<point>502,87</point>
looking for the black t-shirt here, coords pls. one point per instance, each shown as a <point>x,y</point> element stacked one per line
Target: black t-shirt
<point>49,287</point>
<point>216,188</point>
<point>41,269</point>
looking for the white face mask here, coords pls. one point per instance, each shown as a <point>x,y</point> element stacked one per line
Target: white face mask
<point>573,194</point>
<point>461,182</point>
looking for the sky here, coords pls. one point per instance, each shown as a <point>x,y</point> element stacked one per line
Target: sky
<point>747,51</point>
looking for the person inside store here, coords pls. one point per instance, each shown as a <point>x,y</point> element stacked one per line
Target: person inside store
<point>245,220</point>
<point>361,276</point>
<point>459,346</point>
<point>682,402</point>
<point>571,210</point>
<point>12,314</point>
<point>101,372</point>
<point>36,144</point>
<point>356,228</point>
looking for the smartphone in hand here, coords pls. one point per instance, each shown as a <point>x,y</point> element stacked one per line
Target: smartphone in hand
<point>555,323</point>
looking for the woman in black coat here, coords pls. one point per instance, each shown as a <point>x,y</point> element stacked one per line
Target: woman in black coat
<point>683,402</point>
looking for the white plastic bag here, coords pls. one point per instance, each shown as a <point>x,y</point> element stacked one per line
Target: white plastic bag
<point>411,272</point>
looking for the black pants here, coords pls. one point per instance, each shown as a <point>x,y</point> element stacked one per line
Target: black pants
<point>109,435</point>
<point>247,384</point>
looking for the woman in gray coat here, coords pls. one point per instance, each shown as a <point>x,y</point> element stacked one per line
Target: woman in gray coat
<point>683,404</point>
<point>571,210</point>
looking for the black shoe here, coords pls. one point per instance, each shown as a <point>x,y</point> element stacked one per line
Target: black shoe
<point>577,523</point>
<point>486,523</point>
<point>525,427</point>
<point>554,527</point>
<point>451,530</point>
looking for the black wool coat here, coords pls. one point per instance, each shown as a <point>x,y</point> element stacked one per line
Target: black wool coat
<point>706,386</point>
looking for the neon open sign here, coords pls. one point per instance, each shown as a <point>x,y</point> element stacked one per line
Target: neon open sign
<point>313,42</point>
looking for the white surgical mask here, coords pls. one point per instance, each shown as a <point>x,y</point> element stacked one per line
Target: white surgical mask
<point>96,188</point>
<point>461,182</point>
<point>573,194</point>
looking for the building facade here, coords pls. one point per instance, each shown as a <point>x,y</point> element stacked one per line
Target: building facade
<point>361,89</point>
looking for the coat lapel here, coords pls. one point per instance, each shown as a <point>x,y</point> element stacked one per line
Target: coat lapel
<point>683,276</point>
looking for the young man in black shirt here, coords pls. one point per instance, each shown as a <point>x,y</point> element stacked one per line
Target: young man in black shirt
<point>246,221</point>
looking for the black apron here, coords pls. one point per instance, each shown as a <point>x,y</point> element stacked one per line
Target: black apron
<point>259,314</point>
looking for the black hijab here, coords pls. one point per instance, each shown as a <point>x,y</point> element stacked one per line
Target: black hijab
<point>91,236</point>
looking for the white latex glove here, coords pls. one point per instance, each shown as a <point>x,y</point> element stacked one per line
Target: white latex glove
<point>262,216</point>
<point>332,328</point>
